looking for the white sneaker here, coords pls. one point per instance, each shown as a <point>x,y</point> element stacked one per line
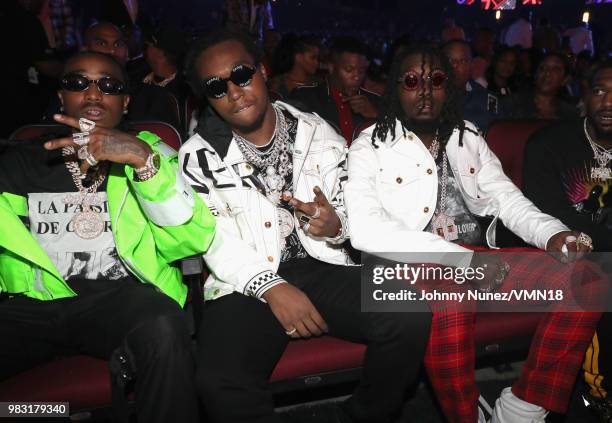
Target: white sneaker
<point>484,410</point>
<point>511,409</point>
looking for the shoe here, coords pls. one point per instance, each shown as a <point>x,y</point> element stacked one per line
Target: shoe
<point>484,410</point>
<point>511,409</point>
<point>601,407</point>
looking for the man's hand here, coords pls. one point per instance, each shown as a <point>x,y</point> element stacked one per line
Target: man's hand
<point>575,250</point>
<point>494,269</point>
<point>361,105</point>
<point>294,311</point>
<point>319,215</point>
<point>105,144</point>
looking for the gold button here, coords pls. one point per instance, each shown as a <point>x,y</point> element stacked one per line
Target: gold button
<point>270,258</point>
<point>398,180</point>
<point>267,224</point>
<point>410,137</point>
<point>215,292</point>
<point>429,171</point>
<point>472,170</point>
<point>426,210</point>
<point>248,167</point>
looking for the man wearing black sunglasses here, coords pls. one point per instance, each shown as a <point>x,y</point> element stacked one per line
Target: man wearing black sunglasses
<point>90,225</point>
<point>421,181</point>
<point>278,267</point>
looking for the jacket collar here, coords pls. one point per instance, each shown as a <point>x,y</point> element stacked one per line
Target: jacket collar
<point>218,134</point>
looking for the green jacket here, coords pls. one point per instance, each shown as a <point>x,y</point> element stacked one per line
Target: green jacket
<point>154,224</point>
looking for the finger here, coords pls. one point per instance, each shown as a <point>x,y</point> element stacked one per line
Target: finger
<point>306,208</point>
<point>312,327</point>
<point>67,120</point>
<point>302,330</point>
<point>60,143</point>
<point>318,319</point>
<point>320,197</point>
<point>572,247</point>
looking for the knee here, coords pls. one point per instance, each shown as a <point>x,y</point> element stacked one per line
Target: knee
<point>409,326</point>
<point>162,335</point>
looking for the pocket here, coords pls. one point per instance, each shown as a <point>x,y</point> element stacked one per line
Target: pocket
<point>16,276</point>
<point>469,178</point>
<point>398,189</point>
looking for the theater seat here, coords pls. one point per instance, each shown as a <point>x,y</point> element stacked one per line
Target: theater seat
<point>507,139</point>
<point>163,130</point>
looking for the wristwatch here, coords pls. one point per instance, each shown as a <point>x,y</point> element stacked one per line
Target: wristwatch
<point>150,168</point>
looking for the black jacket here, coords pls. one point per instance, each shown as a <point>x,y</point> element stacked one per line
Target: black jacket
<point>318,99</point>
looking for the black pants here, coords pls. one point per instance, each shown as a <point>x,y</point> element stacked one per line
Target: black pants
<point>240,341</point>
<point>125,318</point>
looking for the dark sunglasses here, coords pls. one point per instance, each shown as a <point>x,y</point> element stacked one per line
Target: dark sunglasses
<point>216,87</point>
<point>106,84</point>
<point>411,80</point>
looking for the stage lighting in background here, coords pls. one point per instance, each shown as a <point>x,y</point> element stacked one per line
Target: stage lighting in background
<point>585,17</point>
<point>498,14</point>
<point>499,4</point>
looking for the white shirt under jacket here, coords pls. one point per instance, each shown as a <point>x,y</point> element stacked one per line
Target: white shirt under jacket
<point>392,192</point>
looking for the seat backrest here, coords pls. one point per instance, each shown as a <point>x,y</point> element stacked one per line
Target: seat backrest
<point>34,131</point>
<point>507,139</point>
<point>163,130</point>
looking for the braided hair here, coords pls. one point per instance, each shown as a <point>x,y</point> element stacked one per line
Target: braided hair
<point>451,114</point>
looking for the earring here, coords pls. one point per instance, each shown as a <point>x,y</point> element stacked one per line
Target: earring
<point>62,108</point>
<point>125,111</point>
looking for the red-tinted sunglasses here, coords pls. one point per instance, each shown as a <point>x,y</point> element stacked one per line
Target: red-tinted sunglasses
<point>411,80</point>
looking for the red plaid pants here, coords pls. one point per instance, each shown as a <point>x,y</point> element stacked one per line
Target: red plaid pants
<point>557,348</point>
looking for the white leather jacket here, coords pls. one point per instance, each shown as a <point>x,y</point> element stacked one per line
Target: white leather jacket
<point>245,253</point>
<point>392,192</point>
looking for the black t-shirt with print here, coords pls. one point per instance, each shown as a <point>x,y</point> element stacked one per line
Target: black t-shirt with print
<point>467,226</point>
<point>557,175</point>
<point>291,247</point>
<point>29,170</point>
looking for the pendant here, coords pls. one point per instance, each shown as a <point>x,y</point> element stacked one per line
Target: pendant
<point>87,224</point>
<point>601,173</point>
<point>286,224</point>
<point>445,227</point>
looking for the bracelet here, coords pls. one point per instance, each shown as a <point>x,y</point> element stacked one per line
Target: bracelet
<point>150,168</point>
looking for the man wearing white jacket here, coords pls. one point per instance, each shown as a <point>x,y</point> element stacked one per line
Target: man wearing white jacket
<point>278,266</point>
<point>419,181</point>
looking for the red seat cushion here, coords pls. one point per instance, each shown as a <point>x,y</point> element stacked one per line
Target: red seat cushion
<point>507,139</point>
<point>317,355</point>
<point>82,380</point>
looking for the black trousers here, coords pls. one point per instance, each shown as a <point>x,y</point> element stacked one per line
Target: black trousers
<point>146,329</point>
<point>240,341</point>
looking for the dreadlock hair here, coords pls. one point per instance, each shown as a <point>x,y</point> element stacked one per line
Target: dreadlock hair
<point>450,116</point>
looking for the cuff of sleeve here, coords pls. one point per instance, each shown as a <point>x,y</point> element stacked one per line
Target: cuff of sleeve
<point>166,198</point>
<point>343,235</point>
<point>261,282</point>
<point>543,247</point>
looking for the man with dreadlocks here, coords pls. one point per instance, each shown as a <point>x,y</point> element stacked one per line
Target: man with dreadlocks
<point>418,182</point>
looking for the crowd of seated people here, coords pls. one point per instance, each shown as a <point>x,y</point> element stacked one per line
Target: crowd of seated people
<point>291,167</point>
